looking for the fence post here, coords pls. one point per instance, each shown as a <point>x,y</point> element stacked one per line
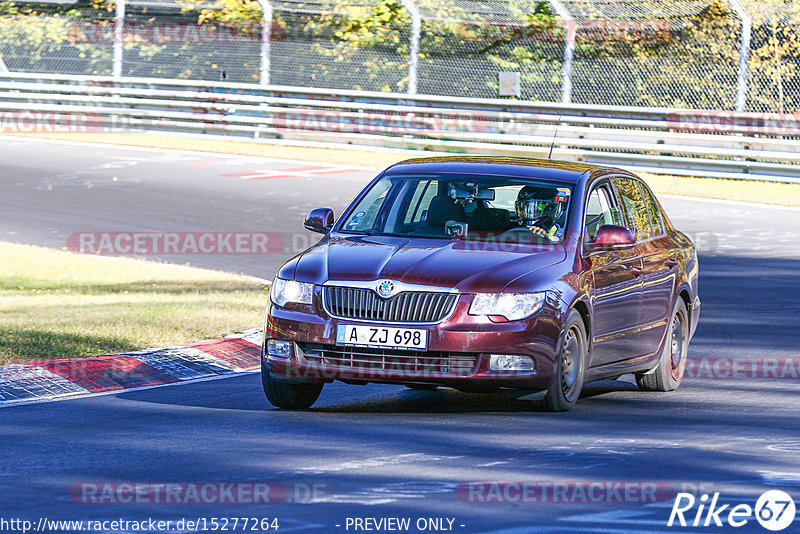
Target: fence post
<point>569,50</point>
<point>744,54</point>
<point>266,41</point>
<point>119,24</point>
<point>413,52</point>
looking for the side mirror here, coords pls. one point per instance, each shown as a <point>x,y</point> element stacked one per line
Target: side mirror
<point>612,237</point>
<point>319,220</point>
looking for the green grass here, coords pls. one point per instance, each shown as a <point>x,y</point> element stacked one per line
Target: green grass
<point>55,304</point>
<point>748,191</point>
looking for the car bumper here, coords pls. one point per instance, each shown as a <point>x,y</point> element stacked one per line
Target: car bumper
<point>457,355</point>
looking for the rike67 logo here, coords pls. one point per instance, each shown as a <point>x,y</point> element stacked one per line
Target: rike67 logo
<point>774,510</point>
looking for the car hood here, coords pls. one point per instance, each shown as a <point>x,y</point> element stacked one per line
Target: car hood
<point>469,267</point>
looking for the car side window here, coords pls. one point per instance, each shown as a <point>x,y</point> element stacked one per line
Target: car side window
<point>600,210</point>
<point>364,220</point>
<point>656,221</point>
<point>633,207</point>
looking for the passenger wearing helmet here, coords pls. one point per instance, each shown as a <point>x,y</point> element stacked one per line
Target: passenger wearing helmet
<point>539,210</point>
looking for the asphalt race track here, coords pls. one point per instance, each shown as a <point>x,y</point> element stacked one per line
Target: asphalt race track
<point>386,451</point>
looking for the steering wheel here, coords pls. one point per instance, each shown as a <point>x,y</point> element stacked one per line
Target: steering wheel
<point>543,238</point>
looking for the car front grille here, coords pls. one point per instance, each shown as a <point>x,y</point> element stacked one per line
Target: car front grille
<point>405,307</point>
<point>397,362</point>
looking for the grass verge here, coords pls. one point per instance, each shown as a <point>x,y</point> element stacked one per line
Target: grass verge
<point>55,304</point>
<point>740,190</point>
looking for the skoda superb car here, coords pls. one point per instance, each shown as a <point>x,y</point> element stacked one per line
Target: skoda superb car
<point>485,274</point>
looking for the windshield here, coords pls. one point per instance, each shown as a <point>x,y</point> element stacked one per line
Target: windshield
<point>463,207</point>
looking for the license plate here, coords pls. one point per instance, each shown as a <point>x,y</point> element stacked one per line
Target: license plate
<point>384,337</point>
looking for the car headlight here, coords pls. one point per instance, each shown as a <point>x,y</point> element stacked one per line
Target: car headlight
<point>286,291</point>
<point>512,306</point>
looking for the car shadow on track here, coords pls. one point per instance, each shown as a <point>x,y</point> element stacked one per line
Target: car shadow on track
<point>245,394</point>
<point>451,401</point>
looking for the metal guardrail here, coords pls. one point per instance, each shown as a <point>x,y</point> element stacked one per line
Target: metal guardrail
<point>684,142</point>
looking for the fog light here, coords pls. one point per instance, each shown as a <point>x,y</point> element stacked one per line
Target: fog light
<point>277,348</point>
<point>510,362</point>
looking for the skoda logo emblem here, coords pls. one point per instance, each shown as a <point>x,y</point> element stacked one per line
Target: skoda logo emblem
<point>385,288</point>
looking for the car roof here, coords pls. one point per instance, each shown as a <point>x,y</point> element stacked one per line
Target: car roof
<point>567,171</point>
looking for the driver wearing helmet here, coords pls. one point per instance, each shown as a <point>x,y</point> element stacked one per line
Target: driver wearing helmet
<point>539,210</point>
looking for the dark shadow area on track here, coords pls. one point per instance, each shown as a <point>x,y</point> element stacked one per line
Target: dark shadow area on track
<point>749,305</point>
<point>645,437</point>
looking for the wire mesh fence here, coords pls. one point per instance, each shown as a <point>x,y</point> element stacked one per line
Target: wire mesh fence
<point>465,44</point>
<point>50,40</point>
<point>679,53</point>
<point>162,39</point>
<point>697,54</point>
<point>362,44</point>
<point>774,65</point>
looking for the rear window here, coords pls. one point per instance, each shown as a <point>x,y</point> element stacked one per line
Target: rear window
<point>633,207</point>
<point>656,221</point>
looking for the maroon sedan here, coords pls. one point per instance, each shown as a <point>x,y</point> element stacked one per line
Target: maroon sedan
<point>485,274</point>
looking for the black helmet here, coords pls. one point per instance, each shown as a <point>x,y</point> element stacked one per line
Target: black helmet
<point>534,203</point>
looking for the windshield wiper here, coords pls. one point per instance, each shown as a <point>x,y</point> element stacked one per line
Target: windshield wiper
<point>361,232</point>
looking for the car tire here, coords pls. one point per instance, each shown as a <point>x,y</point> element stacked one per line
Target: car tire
<point>287,395</point>
<point>672,364</point>
<point>422,387</point>
<point>569,369</point>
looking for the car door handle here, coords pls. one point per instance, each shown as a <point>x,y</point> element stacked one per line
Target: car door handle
<point>636,271</point>
<point>670,263</point>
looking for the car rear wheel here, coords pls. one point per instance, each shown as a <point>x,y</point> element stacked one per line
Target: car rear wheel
<point>669,373</point>
<point>570,367</point>
<point>290,396</point>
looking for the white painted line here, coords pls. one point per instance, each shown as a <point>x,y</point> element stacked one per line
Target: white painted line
<point>88,144</point>
<point>37,381</point>
<point>179,362</point>
<point>253,335</point>
<point>120,391</point>
<point>198,153</point>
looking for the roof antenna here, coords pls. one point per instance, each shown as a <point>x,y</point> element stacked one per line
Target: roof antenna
<point>555,134</point>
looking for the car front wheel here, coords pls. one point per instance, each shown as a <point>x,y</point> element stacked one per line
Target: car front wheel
<point>291,396</point>
<point>669,373</point>
<point>570,366</point>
